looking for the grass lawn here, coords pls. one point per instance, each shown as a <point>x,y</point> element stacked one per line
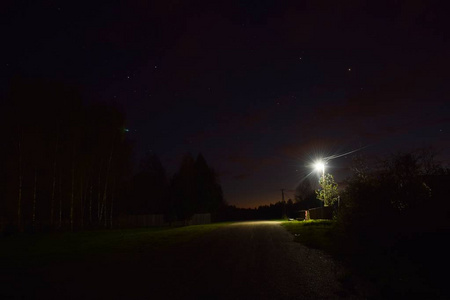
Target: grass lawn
<point>41,249</point>
<point>317,234</point>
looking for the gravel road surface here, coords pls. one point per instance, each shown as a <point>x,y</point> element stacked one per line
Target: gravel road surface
<point>257,260</point>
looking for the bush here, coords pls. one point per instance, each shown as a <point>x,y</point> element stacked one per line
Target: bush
<point>384,205</point>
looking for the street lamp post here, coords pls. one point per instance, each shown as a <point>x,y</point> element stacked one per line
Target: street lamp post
<point>320,166</point>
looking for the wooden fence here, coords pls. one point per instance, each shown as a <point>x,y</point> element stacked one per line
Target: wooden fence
<point>135,221</point>
<point>199,219</point>
<point>325,212</point>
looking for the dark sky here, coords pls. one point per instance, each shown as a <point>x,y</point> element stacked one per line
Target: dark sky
<point>261,88</point>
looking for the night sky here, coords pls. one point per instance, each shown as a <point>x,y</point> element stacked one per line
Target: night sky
<point>260,88</point>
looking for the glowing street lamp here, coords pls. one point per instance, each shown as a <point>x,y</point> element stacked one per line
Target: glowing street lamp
<point>320,166</point>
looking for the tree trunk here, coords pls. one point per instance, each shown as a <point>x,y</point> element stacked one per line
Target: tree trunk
<point>90,202</point>
<point>19,200</point>
<point>112,203</point>
<point>60,200</point>
<point>108,169</point>
<point>105,221</point>
<point>33,217</point>
<point>72,196</point>
<point>52,204</point>
<point>81,202</point>
<point>99,197</point>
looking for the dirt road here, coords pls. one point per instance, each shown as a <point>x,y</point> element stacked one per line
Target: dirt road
<point>246,260</point>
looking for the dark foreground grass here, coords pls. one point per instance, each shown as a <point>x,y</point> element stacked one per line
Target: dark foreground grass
<point>398,272</point>
<point>43,249</point>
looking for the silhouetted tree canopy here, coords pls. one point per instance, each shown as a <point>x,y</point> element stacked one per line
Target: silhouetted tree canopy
<point>305,195</point>
<point>149,188</point>
<point>195,188</point>
<point>210,195</point>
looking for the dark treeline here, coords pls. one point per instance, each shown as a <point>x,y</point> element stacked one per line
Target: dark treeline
<point>61,161</point>
<point>396,198</point>
<point>67,166</point>
<point>192,190</point>
<point>276,210</point>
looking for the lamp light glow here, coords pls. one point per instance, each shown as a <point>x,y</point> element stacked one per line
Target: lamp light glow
<point>320,167</point>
